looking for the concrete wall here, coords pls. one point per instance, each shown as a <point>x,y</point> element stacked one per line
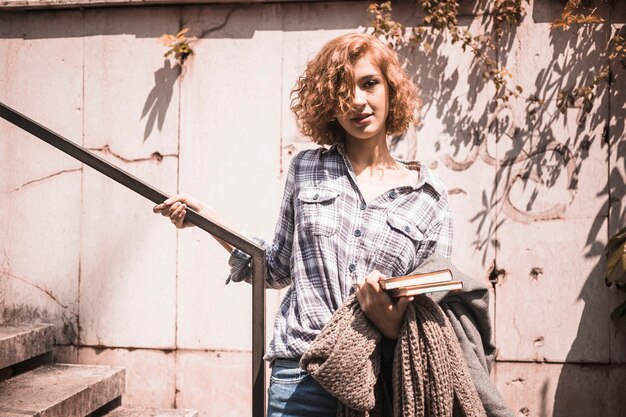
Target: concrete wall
<point>125,288</point>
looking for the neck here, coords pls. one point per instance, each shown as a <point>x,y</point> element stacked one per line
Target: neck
<point>368,154</point>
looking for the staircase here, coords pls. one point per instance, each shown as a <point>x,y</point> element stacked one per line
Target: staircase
<point>31,385</point>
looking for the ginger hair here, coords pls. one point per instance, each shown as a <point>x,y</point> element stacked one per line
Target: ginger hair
<point>326,89</point>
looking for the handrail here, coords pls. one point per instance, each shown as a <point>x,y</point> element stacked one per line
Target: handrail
<point>239,241</point>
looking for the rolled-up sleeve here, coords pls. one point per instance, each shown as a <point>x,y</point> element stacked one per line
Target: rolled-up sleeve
<point>278,254</point>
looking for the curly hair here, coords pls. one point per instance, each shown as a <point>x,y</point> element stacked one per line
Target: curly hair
<point>326,89</point>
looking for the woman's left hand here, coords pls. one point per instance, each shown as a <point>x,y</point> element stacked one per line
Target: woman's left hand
<point>386,314</point>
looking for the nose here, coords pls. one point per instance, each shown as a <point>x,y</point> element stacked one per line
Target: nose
<point>359,97</point>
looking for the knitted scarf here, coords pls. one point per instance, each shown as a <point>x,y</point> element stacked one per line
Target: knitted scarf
<point>430,377</point>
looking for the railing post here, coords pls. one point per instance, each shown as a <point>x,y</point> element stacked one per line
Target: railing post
<point>258,336</point>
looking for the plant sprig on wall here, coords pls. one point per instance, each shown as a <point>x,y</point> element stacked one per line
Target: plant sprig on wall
<point>179,45</point>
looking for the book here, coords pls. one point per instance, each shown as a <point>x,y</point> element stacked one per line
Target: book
<point>417,279</point>
<point>425,288</point>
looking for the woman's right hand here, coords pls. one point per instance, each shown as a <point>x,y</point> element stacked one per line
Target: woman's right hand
<point>175,208</point>
<point>386,314</point>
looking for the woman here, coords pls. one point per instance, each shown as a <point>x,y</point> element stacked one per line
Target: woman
<point>351,214</point>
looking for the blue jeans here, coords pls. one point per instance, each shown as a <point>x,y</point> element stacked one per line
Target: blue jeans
<point>294,393</point>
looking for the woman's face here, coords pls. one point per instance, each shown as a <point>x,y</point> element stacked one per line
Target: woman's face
<point>371,103</point>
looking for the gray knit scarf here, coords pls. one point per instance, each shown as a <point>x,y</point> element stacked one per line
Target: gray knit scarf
<point>430,377</point>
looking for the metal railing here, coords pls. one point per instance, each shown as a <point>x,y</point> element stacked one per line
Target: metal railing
<point>129,181</point>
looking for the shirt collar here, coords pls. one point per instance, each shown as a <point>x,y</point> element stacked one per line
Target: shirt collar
<point>426,175</point>
<point>335,146</point>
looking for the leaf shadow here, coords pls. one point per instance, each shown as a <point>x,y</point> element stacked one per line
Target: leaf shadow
<point>159,98</point>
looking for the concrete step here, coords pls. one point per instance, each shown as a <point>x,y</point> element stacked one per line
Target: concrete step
<point>61,391</point>
<point>19,343</point>
<point>150,412</point>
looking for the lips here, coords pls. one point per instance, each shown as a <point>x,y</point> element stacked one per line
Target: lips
<point>361,118</point>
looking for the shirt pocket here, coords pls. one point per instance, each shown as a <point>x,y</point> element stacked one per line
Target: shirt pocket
<point>318,209</point>
<point>396,256</point>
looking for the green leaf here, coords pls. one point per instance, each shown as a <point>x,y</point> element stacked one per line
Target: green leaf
<point>619,317</point>
<point>617,239</point>
<point>182,32</point>
<point>620,311</point>
<point>616,265</point>
<point>594,19</point>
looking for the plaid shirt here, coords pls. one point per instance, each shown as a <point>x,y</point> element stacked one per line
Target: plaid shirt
<point>329,237</point>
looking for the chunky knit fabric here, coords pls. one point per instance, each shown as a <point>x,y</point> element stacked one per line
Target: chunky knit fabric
<point>430,377</point>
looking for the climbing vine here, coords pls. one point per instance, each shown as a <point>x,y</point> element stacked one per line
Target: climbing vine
<point>441,16</point>
<point>572,18</point>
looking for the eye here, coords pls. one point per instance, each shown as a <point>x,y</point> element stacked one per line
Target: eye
<point>370,83</point>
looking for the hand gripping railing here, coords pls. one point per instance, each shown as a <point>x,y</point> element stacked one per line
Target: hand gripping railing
<point>156,196</point>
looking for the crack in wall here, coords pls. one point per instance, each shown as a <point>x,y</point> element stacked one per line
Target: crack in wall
<point>49,293</point>
<point>154,156</point>
<point>65,171</point>
<point>220,26</point>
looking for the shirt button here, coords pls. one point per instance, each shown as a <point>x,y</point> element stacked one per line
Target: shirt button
<point>316,196</point>
<point>363,206</point>
<point>393,194</point>
<point>357,233</point>
<point>407,229</point>
<point>352,267</point>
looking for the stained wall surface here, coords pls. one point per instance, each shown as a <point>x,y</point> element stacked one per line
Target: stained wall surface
<point>535,190</point>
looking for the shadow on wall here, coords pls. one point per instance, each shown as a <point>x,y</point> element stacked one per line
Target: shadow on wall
<point>531,154</point>
<point>336,15</point>
<point>571,393</point>
<point>160,96</point>
<point>613,196</point>
<point>538,151</point>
